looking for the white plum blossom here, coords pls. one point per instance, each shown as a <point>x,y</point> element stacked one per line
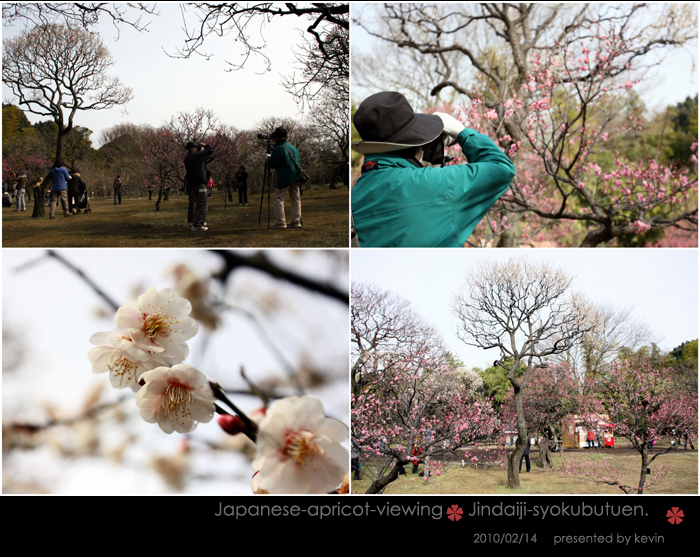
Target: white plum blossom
<point>299,449</point>
<point>125,362</point>
<point>158,322</point>
<point>177,398</point>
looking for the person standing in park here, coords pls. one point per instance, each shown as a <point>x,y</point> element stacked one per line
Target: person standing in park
<point>590,437</point>
<point>398,201</point>
<point>76,186</point>
<point>285,159</point>
<point>242,184</point>
<point>526,457</point>
<point>21,191</point>
<point>59,178</point>
<point>197,178</point>
<point>117,190</point>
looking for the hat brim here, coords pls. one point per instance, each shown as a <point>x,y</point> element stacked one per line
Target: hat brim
<point>424,128</point>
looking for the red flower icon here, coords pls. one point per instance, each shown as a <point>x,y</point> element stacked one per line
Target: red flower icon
<point>454,513</point>
<point>675,515</point>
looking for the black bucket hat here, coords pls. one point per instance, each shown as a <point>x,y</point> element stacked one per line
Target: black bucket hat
<point>279,133</point>
<point>386,122</point>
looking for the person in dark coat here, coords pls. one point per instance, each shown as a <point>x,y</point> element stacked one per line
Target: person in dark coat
<point>76,187</point>
<point>197,178</point>
<point>242,184</point>
<point>526,457</point>
<point>117,190</point>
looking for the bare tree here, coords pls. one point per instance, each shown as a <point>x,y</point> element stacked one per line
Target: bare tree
<point>526,311</point>
<point>617,328</point>
<point>55,71</point>
<point>380,323</point>
<point>81,15</point>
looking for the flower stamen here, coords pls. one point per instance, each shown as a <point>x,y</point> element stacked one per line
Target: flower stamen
<point>155,325</point>
<point>300,446</point>
<point>122,367</point>
<point>177,398</point>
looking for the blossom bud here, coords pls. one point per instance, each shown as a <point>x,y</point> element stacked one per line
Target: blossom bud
<point>232,425</point>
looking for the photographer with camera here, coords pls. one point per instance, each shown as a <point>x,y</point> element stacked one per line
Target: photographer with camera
<point>399,202</point>
<point>285,159</point>
<point>197,178</point>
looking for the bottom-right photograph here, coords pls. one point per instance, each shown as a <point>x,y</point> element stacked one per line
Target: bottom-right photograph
<point>524,371</point>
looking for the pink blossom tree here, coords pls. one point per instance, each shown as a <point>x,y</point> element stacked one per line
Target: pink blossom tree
<point>409,400</point>
<point>163,161</point>
<point>645,407</point>
<point>414,410</point>
<point>552,395</point>
<point>553,88</point>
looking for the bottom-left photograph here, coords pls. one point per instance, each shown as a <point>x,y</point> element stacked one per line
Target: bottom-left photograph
<point>156,371</point>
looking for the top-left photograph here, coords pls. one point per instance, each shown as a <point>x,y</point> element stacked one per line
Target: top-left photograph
<point>175,125</point>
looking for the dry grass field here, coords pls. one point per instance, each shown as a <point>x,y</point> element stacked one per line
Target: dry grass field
<point>135,223</point>
<point>682,479</point>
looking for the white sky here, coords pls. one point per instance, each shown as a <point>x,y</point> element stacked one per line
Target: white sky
<point>670,83</point>
<point>661,285</point>
<point>165,86</point>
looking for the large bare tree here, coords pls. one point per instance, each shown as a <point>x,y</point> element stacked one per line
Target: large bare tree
<point>55,71</point>
<point>526,311</point>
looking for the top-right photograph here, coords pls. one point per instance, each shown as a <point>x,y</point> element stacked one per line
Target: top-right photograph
<point>524,125</point>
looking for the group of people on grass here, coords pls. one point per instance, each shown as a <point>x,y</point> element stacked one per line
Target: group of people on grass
<point>70,190</point>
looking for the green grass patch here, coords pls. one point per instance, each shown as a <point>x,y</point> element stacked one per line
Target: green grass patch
<point>136,223</point>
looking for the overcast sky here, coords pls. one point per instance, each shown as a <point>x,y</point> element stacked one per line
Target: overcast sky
<point>165,86</point>
<point>661,285</point>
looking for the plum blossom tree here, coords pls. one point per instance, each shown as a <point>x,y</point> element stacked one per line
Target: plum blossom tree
<point>162,159</point>
<point>408,397</point>
<point>643,405</point>
<point>526,311</point>
<point>646,409</point>
<point>553,89</point>
<point>415,409</point>
<point>552,395</point>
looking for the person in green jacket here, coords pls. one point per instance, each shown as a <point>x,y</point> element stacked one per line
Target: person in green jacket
<point>285,159</point>
<point>399,202</point>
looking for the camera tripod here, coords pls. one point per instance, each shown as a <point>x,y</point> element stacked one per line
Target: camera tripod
<point>267,182</point>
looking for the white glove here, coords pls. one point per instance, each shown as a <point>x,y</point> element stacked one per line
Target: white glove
<point>452,126</point>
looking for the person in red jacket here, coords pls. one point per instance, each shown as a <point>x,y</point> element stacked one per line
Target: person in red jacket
<point>416,452</point>
<point>591,439</point>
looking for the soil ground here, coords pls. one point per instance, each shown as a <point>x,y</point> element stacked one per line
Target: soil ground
<point>135,223</point>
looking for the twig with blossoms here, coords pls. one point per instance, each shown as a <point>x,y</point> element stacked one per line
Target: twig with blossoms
<point>298,449</point>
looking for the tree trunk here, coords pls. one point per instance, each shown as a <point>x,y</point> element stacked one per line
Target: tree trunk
<point>597,236</point>
<point>160,197</point>
<point>379,484</point>
<point>39,197</point>
<point>546,446</point>
<point>517,453</point>
<point>643,471</point>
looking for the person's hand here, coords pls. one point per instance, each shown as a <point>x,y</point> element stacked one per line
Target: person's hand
<point>452,126</point>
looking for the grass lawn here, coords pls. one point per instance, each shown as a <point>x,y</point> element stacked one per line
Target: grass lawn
<point>135,223</point>
<point>682,479</point>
